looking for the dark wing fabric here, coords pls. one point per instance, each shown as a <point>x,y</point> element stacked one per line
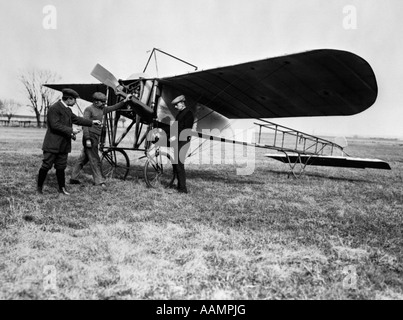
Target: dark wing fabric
<point>315,83</point>
<point>84,90</point>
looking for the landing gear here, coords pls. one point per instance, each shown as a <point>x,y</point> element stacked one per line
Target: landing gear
<point>115,164</point>
<point>158,170</point>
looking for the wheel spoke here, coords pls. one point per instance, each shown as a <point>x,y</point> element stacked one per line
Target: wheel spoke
<point>158,171</point>
<point>115,164</point>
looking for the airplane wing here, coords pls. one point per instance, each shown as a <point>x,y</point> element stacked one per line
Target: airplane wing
<point>314,83</point>
<point>84,90</point>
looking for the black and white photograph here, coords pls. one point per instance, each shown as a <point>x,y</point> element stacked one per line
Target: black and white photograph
<point>214,152</point>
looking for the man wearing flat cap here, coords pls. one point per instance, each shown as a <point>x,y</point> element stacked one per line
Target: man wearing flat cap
<point>91,136</point>
<point>184,120</point>
<point>57,143</point>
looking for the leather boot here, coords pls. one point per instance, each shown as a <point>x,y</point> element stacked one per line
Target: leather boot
<point>64,191</point>
<point>41,179</point>
<point>61,181</point>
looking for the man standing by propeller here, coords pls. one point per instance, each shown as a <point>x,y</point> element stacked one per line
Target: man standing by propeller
<point>184,120</point>
<point>91,136</point>
<point>57,143</point>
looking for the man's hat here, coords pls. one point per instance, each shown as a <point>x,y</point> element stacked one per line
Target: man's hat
<point>178,99</point>
<point>70,93</point>
<point>99,96</point>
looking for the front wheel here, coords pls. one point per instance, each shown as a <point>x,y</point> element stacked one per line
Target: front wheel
<point>115,164</point>
<point>158,171</point>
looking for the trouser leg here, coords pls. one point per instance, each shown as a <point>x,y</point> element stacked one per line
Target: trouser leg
<point>175,173</point>
<point>81,161</point>
<point>180,167</point>
<point>95,163</point>
<point>181,175</point>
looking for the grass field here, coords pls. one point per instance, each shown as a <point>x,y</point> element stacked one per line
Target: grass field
<point>334,233</point>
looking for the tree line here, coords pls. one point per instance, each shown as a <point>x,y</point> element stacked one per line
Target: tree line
<point>40,97</point>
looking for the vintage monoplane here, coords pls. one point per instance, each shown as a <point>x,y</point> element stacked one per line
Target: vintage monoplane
<point>322,82</point>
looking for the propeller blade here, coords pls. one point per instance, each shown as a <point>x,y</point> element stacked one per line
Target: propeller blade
<point>107,78</point>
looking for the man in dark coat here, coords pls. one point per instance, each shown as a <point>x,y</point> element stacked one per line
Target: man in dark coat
<point>184,121</point>
<point>57,143</point>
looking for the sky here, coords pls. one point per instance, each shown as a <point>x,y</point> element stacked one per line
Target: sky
<point>71,37</point>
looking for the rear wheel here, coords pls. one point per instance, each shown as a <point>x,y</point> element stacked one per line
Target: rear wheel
<point>115,164</point>
<point>158,171</point>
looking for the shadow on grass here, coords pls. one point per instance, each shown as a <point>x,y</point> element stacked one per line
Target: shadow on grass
<point>310,174</point>
<point>221,176</point>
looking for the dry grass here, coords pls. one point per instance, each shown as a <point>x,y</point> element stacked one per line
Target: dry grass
<point>262,236</point>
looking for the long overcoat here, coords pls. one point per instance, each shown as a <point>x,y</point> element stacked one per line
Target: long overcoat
<point>60,120</point>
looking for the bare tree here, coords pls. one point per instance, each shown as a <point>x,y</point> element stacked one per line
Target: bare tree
<point>39,96</point>
<point>8,108</point>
